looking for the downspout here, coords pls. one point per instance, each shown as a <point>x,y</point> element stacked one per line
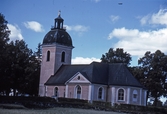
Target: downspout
<point>45,90</point>
<point>107,92</point>
<point>140,96</point>
<point>90,93</point>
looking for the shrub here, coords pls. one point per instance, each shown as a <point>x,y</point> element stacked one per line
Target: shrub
<point>71,100</point>
<point>102,104</point>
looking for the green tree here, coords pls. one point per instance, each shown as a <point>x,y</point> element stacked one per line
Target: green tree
<point>4,38</point>
<point>24,68</point>
<point>33,72</point>
<point>38,53</point>
<point>154,74</point>
<point>4,31</point>
<point>19,66</point>
<point>18,61</point>
<point>116,56</point>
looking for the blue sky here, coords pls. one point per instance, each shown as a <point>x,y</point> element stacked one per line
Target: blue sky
<point>95,26</point>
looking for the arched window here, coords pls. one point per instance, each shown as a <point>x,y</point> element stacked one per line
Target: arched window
<point>135,95</point>
<point>48,56</point>
<point>63,57</point>
<point>56,91</point>
<point>120,94</point>
<point>78,92</point>
<point>100,93</point>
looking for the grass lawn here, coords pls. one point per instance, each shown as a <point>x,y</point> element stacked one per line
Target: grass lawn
<point>56,110</point>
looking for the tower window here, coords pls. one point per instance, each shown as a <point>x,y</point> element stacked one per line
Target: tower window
<point>48,56</point>
<point>63,57</point>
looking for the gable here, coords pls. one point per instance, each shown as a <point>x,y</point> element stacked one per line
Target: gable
<point>65,73</point>
<point>78,78</point>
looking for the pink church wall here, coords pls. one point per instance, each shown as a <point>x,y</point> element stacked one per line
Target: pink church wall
<point>50,91</point>
<point>107,96</point>
<point>47,68</point>
<point>84,90</point>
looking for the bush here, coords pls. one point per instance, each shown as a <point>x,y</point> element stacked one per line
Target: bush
<point>21,99</point>
<point>102,104</point>
<point>29,102</point>
<point>71,100</point>
<point>137,108</point>
<point>47,102</point>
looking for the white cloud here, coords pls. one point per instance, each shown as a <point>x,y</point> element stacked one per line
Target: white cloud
<point>81,60</point>
<point>159,18</point>
<point>144,20</point>
<point>138,42</point>
<point>77,28</point>
<point>114,18</point>
<point>15,32</point>
<point>33,25</point>
<point>122,32</point>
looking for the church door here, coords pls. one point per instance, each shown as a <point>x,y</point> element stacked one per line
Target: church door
<point>78,92</point>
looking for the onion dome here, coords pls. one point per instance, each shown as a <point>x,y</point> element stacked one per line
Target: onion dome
<point>58,34</point>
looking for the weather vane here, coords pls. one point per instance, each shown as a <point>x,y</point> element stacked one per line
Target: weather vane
<point>59,13</point>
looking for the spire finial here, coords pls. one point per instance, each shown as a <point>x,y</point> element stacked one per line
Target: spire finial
<point>59,13</point>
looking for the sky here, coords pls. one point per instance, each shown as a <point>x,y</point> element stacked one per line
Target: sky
<point>95,26</point>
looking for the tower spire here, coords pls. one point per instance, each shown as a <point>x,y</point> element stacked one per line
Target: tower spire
<point>59,13</point>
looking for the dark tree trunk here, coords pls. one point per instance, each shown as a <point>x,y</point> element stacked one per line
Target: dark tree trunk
<point>14,92</point>
<point>155,101</point>
<point>7,91</point>
<point>147,97</point>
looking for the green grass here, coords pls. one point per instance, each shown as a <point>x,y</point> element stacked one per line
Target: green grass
<point>56,110</point>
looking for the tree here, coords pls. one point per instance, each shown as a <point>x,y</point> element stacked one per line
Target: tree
<point>154,67</point>
<point>25,68</point>
<point>18,61</point>
<point>38,53</point>
<point>21,69</point>
<point>116,56</point>
<point>4,38</point>
<point>33,72</point>
<point>19,66</point>
<point>4,31</point>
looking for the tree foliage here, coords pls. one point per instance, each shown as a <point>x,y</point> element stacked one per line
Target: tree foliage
<point>153,74</point>
<point>19,65</point>
<point>4,38</point>
<point>4,31</point>
<point>116,56</point>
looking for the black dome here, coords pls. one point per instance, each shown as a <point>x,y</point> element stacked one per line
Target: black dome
<point>59,36</point>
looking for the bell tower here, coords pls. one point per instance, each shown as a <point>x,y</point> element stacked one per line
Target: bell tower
<point>56,50</point>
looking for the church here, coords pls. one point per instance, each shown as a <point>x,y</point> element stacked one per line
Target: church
<point>93,82</point>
